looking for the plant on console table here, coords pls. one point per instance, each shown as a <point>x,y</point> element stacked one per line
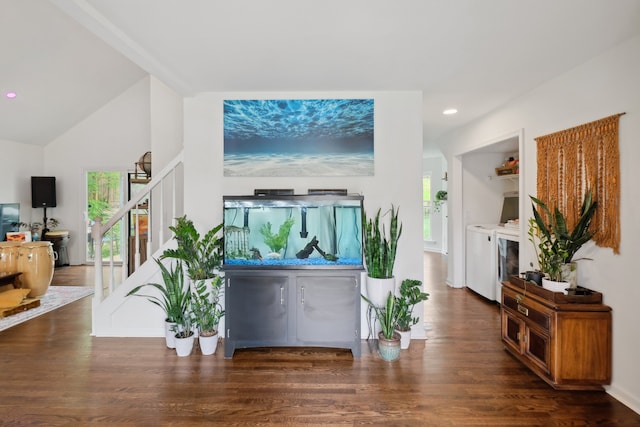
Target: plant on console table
<point>410,296</point>
<point>380,255</point>
<point>554,243</point>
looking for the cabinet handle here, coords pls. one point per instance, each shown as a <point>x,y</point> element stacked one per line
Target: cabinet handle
<point>302,295</point>
<point>281,295</point>
<point>523,310</point>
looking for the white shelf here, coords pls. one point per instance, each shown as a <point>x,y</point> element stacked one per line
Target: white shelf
<point>512,177</point>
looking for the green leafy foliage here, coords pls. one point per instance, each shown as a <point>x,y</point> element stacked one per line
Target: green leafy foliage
<point>206,309</point>
<point>174,295</point>
<point>387,316</point>
<point>277,241</point>
<point>555,245</point>
<point>380,249</point>
<point>410,295</point>
<point>201,256</point>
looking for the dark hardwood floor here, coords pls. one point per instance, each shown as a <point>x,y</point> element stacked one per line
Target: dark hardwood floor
<point>53,373</point>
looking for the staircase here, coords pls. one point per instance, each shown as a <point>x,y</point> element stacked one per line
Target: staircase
<point>115,314</point>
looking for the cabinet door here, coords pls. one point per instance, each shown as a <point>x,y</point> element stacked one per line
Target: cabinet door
<point>257,309</point>
<point>512,331</point>
<point>538,348</point>
<point>326,309</point>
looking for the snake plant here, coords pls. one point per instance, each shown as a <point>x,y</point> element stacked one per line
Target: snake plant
<point>380,249</point>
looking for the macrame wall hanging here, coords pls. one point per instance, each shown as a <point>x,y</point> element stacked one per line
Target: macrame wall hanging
<point>574,160</point>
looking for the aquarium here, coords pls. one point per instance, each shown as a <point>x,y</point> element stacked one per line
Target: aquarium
<point>293,231</point>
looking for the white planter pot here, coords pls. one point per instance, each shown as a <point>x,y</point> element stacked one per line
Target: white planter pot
<point>184,346</point>
<point>169,334</point>
<point>378,290</point>
<point>208,345</point>
<point>405,339</point>
<point>555,286</point>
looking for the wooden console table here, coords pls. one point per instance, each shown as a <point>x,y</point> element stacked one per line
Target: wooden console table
<point>564,339</point>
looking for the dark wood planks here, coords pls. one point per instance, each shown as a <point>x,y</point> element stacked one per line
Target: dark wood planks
<point>54,373</point>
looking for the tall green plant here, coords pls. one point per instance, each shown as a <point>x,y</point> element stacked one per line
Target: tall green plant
<point>201,256</point>
<point>380,249</point>
<point>174,295</point>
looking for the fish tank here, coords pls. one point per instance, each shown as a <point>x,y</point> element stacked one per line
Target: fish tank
<point>293,231</point>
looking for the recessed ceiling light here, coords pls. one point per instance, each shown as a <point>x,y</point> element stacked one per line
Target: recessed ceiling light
<point>449,111</point>
<point>11,95</point>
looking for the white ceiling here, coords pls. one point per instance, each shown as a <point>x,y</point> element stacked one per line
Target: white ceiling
<point>66,58</point>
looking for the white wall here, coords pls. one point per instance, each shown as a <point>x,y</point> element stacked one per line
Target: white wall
<point>604,86</point>
<point>398,165</point>
<point>19,163</point>
<point>113,138</point>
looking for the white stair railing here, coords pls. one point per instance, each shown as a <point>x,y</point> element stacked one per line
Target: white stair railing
<point>164,187</point>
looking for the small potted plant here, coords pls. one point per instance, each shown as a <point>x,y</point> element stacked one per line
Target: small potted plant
<point>202,255</point>
<point>410,295</point>
<point>173,299</point>
<point>184,334</point>
<point>441,197</point>
<point>207,312</point>
<point>380,255</point>
<point>388,338</point>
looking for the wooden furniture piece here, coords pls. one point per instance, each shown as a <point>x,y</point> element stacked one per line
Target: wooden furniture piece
<point>564,339</point>
<point>266,308</point>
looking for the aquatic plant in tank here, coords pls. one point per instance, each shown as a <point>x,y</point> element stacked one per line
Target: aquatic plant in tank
<point>277,241</point>
<point>293,232</point>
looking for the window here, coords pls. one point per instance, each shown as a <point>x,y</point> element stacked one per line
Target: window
<point>105,196</point>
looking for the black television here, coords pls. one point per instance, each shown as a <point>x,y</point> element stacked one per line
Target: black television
<point>9,218</point>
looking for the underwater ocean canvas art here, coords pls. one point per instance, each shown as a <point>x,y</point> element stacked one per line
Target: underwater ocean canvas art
<point>299,137</point>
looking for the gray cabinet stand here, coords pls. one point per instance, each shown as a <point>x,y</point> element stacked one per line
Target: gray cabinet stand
<point>308,308</point>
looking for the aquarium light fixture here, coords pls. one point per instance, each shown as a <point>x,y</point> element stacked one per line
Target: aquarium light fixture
<point>273,192</point>
<point>327,191</point>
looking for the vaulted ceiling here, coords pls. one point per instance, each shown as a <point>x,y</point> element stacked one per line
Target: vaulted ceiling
<point>67,58</point>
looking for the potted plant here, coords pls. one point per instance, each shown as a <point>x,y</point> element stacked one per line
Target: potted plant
<point>380,255</point>
<point>202,255</point>
<point>173,299</point>
<point>410,295</point>
<point>388,338</point>
<point>554,243</point>
<point>184,334</point>
<point>207,312</point>
<point>441,197</point>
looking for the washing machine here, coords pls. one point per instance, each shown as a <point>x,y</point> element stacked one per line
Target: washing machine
<point>480,260</point>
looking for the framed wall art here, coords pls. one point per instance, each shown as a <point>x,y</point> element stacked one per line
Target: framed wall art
<point>298,137</point>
